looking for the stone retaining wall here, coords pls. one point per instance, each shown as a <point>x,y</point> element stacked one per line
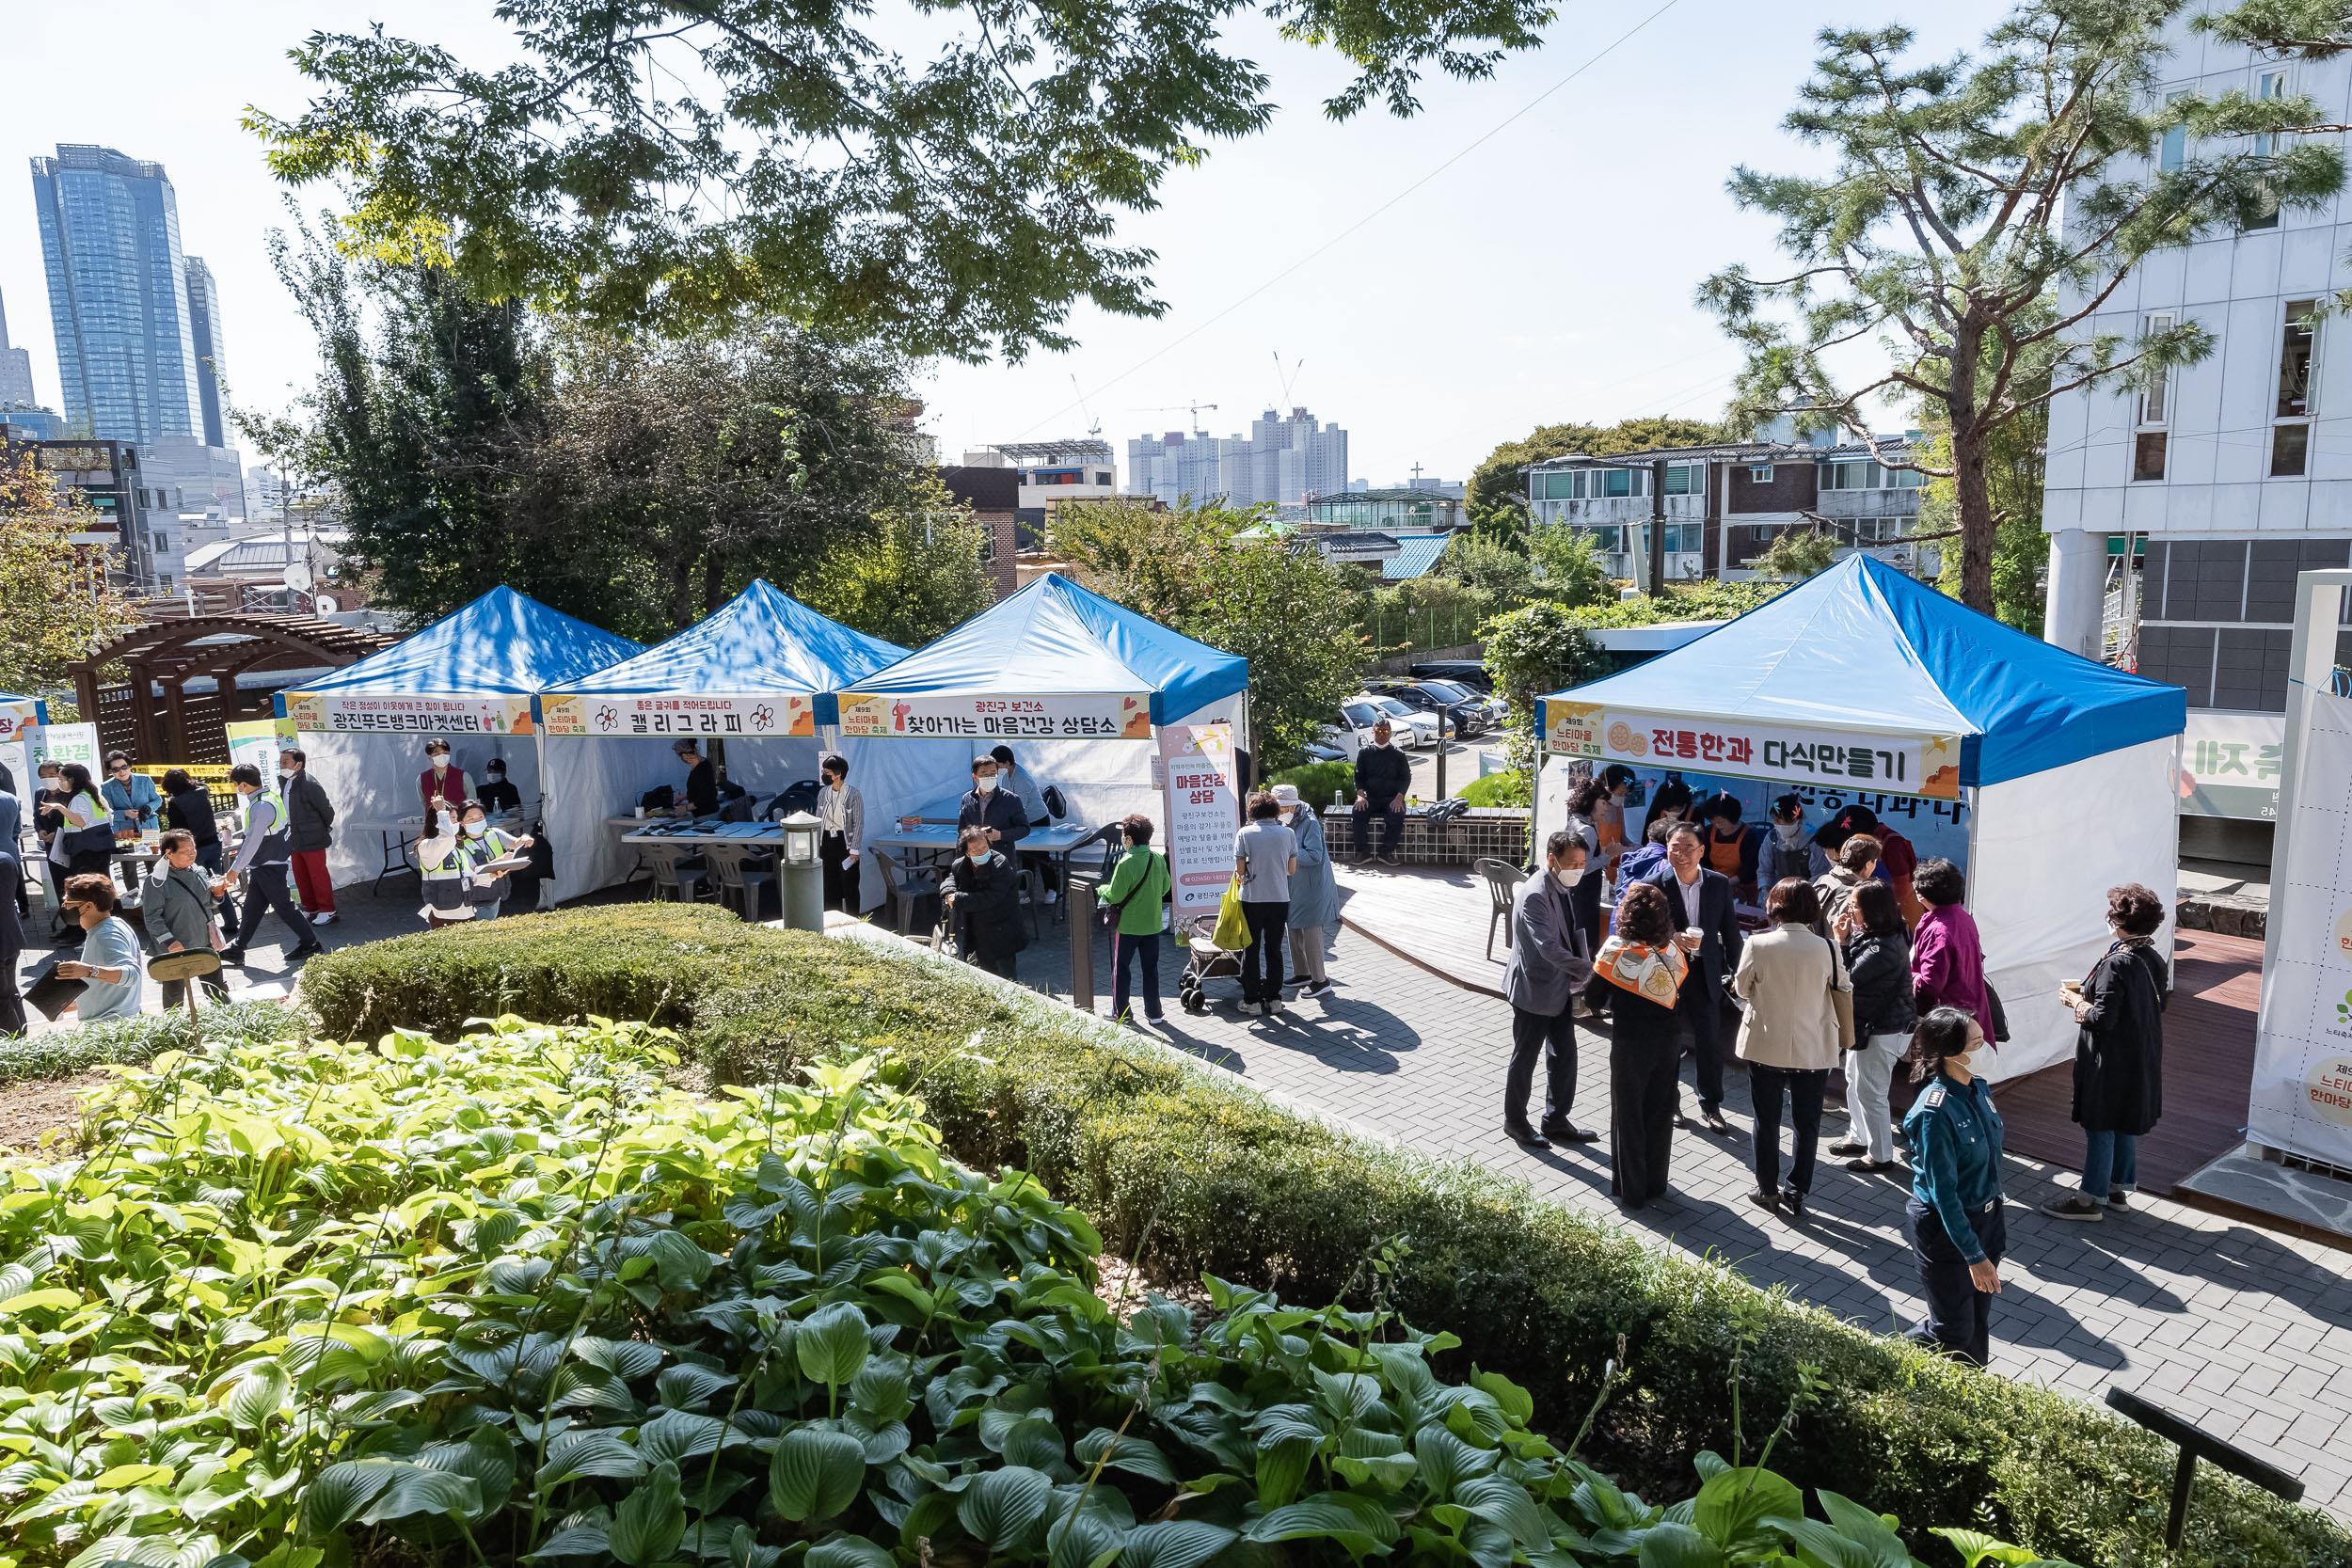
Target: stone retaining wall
<point>1482,833</point>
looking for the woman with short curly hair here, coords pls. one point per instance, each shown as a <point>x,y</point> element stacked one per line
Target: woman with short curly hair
<point>2118,1054</point>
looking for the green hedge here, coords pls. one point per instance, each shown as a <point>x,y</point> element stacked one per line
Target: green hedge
<point>1506,789</point>
<point>1200,1174</point>
<point>1318,781</point>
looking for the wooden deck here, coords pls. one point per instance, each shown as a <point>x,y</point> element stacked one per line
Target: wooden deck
<point>2208,1069</point>
<point>1436,917</point>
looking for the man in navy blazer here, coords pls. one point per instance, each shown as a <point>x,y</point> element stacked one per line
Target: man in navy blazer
<point>1701,901</point>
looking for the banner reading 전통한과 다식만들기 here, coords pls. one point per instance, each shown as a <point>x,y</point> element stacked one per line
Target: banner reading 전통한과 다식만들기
<point>1921,764</point>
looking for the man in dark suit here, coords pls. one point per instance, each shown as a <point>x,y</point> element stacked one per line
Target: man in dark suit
<point>1701,900</point>
<point>995,810</point>
<point>1549,966</point>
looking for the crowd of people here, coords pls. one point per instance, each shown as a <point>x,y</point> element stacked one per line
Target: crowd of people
<point>1841,976</point>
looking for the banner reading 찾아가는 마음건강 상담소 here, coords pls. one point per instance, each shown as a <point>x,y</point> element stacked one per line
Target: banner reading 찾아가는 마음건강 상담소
<point>1065,716</point>
<point>1914,763</point>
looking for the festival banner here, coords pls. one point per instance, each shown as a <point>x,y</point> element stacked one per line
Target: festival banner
<point>720,715</point>
<point>369,713</point>
<point>1922,765</point>
<point>1091,715</point>
<point>2230,765</point>
<point>2302,1091</point>
<point>63,743</point>
<point>1204,813</point>
<point>256,741</point>
<point>17,714</point>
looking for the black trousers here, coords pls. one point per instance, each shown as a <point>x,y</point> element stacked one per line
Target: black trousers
<point>1960,1316</point>
<point>1266,919</point>
<point>1551,1036</point>
<point>1700,1011</point>
<point>1146,952</point>
<point>264,890</point>
<point>841,891</point>
<point>1804,1087</point>
<point>176,991</point>
<point>12,1000</point>
<point>1585,904</point>
<point>1645,1083</point>
<point>1392,826</point>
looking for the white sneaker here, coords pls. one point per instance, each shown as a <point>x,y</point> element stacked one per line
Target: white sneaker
<point>324,917</point>
<point>1051,896</point>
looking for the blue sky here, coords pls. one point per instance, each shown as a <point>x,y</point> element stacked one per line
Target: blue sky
<point>1544,276</point>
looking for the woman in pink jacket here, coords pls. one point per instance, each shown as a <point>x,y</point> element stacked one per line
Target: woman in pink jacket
<point>1947,957</point>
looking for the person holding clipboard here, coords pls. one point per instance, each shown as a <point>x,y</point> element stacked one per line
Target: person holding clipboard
<point>489,855</point>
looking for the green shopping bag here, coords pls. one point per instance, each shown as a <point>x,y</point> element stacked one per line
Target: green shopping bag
<point>1233,927</point>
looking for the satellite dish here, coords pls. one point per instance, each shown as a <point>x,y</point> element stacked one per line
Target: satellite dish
<point>298,576</point>
<point>326,605</point>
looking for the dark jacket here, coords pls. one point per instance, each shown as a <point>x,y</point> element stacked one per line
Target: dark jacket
<point>1719,952</point>
<point>988,906</point>
<point>191,809</point>
<point>498,797</point>
<point>309,815</point>
<point>1549,963</point>
<point>1385,774</point>
<point>999,808</point>
<point>11,928</point>
<point>1776,862</point>
<point>702,788</point>
<point>1880,963</point>
<point>2119,1056</point>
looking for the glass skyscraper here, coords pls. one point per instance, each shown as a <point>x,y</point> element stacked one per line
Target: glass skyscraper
<point>211,366</point>
<point>118,294</point>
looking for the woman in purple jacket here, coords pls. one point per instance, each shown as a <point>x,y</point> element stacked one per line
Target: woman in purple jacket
<point>1947,957</point>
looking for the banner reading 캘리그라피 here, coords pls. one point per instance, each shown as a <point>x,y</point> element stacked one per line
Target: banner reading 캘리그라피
<point>1077,715</point>
<point>1921,764</point>
<point>1198,765</point>
<point>722,715</point>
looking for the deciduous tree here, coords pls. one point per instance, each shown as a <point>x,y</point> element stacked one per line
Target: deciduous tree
<point>1498,491</point>
<point>911,574</point>
<point>1980,213</point>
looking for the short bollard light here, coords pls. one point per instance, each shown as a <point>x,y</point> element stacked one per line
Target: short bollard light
<point>802,886</point>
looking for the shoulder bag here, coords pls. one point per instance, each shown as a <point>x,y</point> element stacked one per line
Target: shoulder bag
<point>1841,1001</point>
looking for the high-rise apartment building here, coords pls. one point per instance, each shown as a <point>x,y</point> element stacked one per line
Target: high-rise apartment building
<point>16,367</point>
<point>119,295</point>
<point>1284,459</point>
<point>212,363</point>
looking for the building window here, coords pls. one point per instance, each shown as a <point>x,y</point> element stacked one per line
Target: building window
<point>1760,473</point>
<point>163,543</point>
<point>2290,438</point>
<point>2289,448</point>
<point>2148,454</point>
<point>2154,387</point>
<point>1613,482</point>
<point>2270,84</point>
<point>2172,151</point>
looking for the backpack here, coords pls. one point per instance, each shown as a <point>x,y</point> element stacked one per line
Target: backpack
<point>659,797</point>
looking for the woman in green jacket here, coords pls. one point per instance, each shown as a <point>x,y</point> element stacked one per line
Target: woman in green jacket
<point>1137,887</point>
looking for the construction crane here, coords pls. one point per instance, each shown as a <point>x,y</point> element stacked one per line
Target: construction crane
<point>1191,408</point>
<point>1288,381</point>
<point>1094,426</point>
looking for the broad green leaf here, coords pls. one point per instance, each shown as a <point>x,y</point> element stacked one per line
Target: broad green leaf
<point>1446,1461</point>
<point>843,1550</point>
<point>417,1490</point>
<point>1357,1523</point>
<point>1174,1543</point>
<point>1673,1546</point>
<point>257,1395</point>
<point>1516,1401</point>
<point>623,1358</point>
<point>1388,1472</point>
<point>675,1434</point>
<point>815,1473</point>
<point>647,1523</point>
<point>1038,1443</point>
<point>1975,1546</point>
<point>579,1541</point>
<point>1506,1503</point>
<point>1731,1506</point>
<point>1000,1507</point>
<point>31,1301</point>
<point>579,1453</point>
<point>832,1345</point>
<point>689,1388</point>
<point>678,1263</point>
<point>1132,1454</point>
<point>1076,1538</point>
<point>1283,1470</point>
<point>342,1491</point>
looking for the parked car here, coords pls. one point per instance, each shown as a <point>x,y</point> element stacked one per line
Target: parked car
<point>1466,713</point>
<point>1351,730</point>
<point>1409,727</point>
<point>1461,672</point>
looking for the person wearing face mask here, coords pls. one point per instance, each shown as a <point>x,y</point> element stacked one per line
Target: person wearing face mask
<point>995,810</point>
<point>1702,905</point>
<point>1383,779</point>
<point>982,895</point>
<point>841,818</point>
<point>311,822</point>
<point>442,786</point>
<point>498,797</point>
<point>132,796</point>
<point>1954,1219</point>
<point>264,853</point>
<point>478,845</point>
<point>1549,965</point>
<point>1314,895</point>
<point>1786,849</point>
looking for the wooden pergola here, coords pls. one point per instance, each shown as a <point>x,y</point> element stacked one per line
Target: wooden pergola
<point>172,652</point>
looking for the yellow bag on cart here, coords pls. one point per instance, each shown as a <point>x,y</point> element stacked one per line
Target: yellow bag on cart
<point>1233,927</point>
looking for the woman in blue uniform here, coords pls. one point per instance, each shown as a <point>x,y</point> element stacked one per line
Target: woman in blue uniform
<point>1954,1220</point>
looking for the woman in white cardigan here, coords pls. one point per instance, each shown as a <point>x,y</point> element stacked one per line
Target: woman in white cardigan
<point>1788,1036</point>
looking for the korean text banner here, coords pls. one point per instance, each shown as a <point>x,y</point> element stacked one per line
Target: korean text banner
<point>722,715</point>
<point>2301,1100</point>
<point>1080,715</point>
<point>366,713</point>
<point>1924,765</point>
<point>17,714</point>
<point>1203,811</point>
<point>2230,765</point>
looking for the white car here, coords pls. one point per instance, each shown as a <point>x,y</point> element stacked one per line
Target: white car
<point>1353,731</point>
<point>1408,726</point>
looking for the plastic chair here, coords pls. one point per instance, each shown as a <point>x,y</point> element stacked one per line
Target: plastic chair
<point>743,875</point>
<point>741,809</point>
<point>678,875</point>
<point>1114,841</point>
<point>905,887</point>
<point>800,796</point>
<point>1503,886</point>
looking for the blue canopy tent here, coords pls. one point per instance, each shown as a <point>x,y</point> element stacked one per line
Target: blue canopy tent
<point>762,667</point>
<point>2049,777</point>
<point>1073,683</point>
<point>470,678</point>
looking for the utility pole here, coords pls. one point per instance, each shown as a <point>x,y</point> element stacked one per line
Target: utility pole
<point>1658,528</point>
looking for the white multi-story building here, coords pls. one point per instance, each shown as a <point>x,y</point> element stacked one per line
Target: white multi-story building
<point>1284,459</point>
<point>2232,475</point>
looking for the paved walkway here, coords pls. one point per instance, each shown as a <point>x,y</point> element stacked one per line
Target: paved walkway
<point>2245,1332</point>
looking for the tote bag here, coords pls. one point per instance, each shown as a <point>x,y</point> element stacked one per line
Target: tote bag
<point>1233,927</point>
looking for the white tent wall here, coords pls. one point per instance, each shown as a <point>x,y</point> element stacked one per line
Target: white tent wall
<point>598,778</point>
<point>896,778</point>
<point>2046,850</point>
<point>373,778</point>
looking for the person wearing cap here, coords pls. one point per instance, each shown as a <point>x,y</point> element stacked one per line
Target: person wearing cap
<point>1314,895</point>
<point>1383,778</point>
<point>498,797</point>
<point>443,785</point>
<point>700,798</point>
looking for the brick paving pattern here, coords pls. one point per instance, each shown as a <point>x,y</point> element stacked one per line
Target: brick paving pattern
<point>2245,1332</point>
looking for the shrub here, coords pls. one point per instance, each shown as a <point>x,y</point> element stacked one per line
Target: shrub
<point>1318,781</point>
<point>1204,1176</point>
<point>129,1041</point>
<point>1508,788</point>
